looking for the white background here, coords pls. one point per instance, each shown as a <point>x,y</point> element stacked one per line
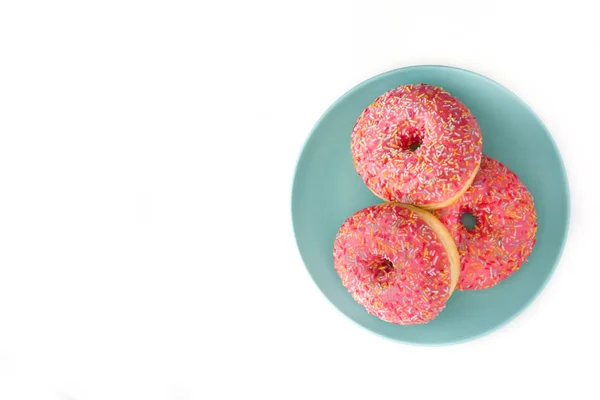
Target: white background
<point>147,150</point>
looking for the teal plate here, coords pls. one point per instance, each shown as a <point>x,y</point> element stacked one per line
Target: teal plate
<point>327,190</point>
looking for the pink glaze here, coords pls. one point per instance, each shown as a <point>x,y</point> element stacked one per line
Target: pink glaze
<point>393,264</point>
<point>504,234</point>
<point>449,138</point>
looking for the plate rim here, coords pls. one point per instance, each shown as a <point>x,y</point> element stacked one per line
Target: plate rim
<point>564,175</point>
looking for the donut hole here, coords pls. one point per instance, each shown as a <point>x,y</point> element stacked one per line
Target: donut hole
<point>469,221</point>
<point>381,268</point>
<point>408,139</point>
<point>415,145</point>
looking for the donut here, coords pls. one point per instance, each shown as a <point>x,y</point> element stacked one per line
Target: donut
<point>505,226</point>
<point>397,261</point>
<point>417,144</point>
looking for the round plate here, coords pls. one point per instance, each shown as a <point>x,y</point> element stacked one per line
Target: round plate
<point>327,190</point>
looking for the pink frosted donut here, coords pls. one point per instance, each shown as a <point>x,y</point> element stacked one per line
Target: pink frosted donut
<point>417,144</point>
<point>504,233</point>
<point>397,261</point>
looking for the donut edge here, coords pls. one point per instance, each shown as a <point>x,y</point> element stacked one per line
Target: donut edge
<point>447,241</point>
<point>445,203</point>
<point>456,197</point>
